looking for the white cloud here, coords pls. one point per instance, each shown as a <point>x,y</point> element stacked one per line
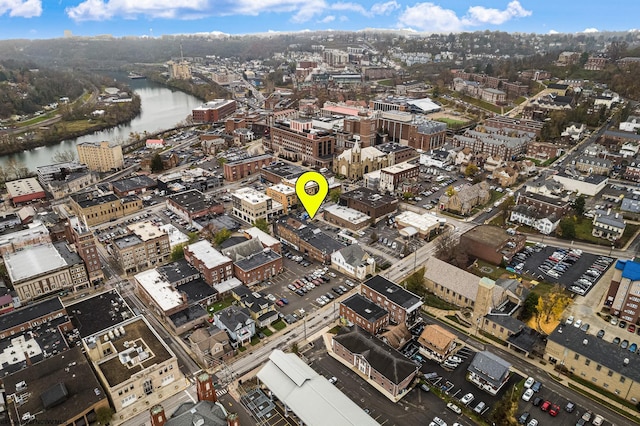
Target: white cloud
<point>482,15</point>
<point>384,8</point>
<point>343,18</point>
<point>430,17</point>
<point>434,18</point>
<point>327,19</point>
<point>590,30</point>
<point>21,8</point>
<point>553,32</point>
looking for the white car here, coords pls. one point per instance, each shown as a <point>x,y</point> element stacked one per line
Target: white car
<point>320,302</point>
<point>569,320</point>
<point>333,380</point>
<point>454,359</point>
<point>271,297</point>
<point>526,396</point>
<point>578,323</point>
<point>466,400</point>
<point>529,382</point>
<point>453,407</point>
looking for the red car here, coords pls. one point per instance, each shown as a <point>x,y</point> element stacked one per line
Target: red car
<point>632,328</point>
<point>279,303</point>
<point>545,406</point>
<point>554,410</point>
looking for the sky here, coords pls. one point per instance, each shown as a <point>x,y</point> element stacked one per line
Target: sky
<point>49,18</point>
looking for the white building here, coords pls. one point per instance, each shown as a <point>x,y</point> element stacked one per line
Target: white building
<point>354,262</point>
<point>251,205</point>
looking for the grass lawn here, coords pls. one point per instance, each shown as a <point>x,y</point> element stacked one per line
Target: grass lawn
<point>37,119</point>
<point>241,349</point>
<point>486,269</point>
<point>278,325</point>
<point>255,340</point>
<point>387,82</point>
<point>450,122</point>
<point>434,301</point>
<point>583,233</point>
<point>266,331</point>
<point>484,105</point>
<point>218,306</point>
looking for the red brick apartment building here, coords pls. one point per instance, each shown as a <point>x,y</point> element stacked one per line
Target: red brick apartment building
<point>502,122</point>
<point>214,111</point>
<point>364,313</point>
<point>298,141</point>
<point>213,265</point>
<point>238,170</point>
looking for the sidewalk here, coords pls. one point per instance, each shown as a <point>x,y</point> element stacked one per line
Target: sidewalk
<point>546,366</point>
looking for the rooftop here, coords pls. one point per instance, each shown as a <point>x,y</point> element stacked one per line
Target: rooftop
<point>58,388</point>
<point>369,197</point>
<point>133,183</point>
<point>204,251</point>
<point>197,291</point>
<point>386,360</point>
<point>451,277</point>
<point>32,262</point>
<point>16,188</point>
<point>493,235</point>
<point>257,259</point>
<point>127,241</point>
<point>192,201</point>
<point>99,312</point>
<point>393,292</point>
<point>364,307</point>
<point>178,271</point>
<point>127,360</point>
<point>399,168</point>
<point>266,239</point>
<point>284,170</point>
<point>490,367</point>
<point>160,290</point>
<point>630,269</point>
<point>310,233</point>
<point>88,199</point>
<point>146,230</point>
<point>346,213</point>
<point>251,196</point>
<point>29,313</point>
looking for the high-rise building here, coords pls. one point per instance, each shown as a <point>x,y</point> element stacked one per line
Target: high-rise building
<point>85,243</point>
<point>101,157</point>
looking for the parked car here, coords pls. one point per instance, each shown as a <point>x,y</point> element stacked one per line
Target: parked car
<point>569,407</point>
<point>453,407</point>
<point>537,401</point>
<point>523,418</point>
<point>478,408</point>
<point>545,406</point>
<point>597,420</point>
<point>532,422</point>
<point>554,410</point>
<point>536,387</point>
<point>466,400</point>
<point>529,382</point>
<point>333,380</point>
<point>526,396</point>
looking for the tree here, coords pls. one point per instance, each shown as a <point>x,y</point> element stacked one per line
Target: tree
<point>221,236</point>
<point>177,253</point>
<point>471,170</point>
<point>415,282</point>
<point>156,163</point>
<point>407,195</point>
<point>334,195</point>
<point>221,161</point>
<point>450,191</point>
<point>104,415</point>
<point>193,237</point>
<point>568,228</point>
<point>578,205</point>
<point>64,156</point>
<point>262,225</point>
<point>445,246</point>
<point>553,304</point>
<point>529,307</point>
<point>506,206</point>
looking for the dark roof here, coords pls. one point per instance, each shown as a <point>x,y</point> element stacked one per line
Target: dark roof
<point>558,86</point>
<point>189,314</point>
<point>310,233</point>
<point>98,313</point>
<point>257,259</point>
<point>232,316</point>
<point>29,313</point>
<point>526,339</point>
<point>383,358</point>
<point>191,413</point>
<point>177,271</point>
<point>89,199</point>
<point>507,321</point>
<point>47,382</point>
<point>133,183</point>
<point>364,307</point>
<point>232,241</point>
<point>597,350</point>
<point>590,179</point>
<point>191,201</point>
<point>490,367</point>
<point>197,290</point>
<point>249,159</point>
<point>392,291</point>
<point>71,257</point>
<point>284,170</point>
<point>369,197</point>
<point>244,249</point>
<point>390,147</point>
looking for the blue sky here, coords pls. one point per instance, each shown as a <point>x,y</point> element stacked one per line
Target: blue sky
<point>49,18</point>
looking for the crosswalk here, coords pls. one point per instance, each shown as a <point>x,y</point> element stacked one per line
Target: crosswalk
<point>221,392</point>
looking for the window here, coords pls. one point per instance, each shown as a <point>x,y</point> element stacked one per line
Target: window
<point>587,362</point>
<point>610,373</point>
<point>147,387</point>
<point>576,357</point>
<point>598,367</point>
<point>622,379</point>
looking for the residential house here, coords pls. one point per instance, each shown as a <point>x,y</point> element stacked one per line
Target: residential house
<point>530,216</point>
<point>211,346</point>
<point>262,310</point>
<point>489,372</point>
<point>354,262</point>
<point>436,343</point>
<point>237,322</point>
<point>608,224</point>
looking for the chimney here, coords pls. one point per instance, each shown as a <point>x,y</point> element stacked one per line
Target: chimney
<point>232,420</point>
<point>205,389</point>
<point>157,415</point>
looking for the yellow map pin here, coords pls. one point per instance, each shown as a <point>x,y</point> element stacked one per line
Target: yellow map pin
<point>312,203</point>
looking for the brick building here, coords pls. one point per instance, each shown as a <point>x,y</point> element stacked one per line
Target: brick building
<point>238,170</point>
<point>258,267</point>
<point>214,111</point>
<point>402,305</point>
<point>299,141</point>
<point>502,122</point>
<point>306,238</point>
<point>369,202</point>
<point>146,246</point>
<point>364,313</point>
<point>94,208</point>
<point>193,204</point>
<point>85,243</point>
<point>491,244</point>
<point>213,265</point>
<point>24,191</point>
<point>392,177</point>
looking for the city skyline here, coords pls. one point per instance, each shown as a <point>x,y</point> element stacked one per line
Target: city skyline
<point>33,19</point>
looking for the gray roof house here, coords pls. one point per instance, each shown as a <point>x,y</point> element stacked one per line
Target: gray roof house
<point>237,322</point>
<point>489,372</point>
<point>353,261</point>
<point>608,224</point>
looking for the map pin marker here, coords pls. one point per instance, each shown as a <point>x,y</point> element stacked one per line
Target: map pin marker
<point>312,203</point>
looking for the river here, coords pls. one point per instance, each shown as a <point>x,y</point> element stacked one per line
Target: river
<point>161,108</point>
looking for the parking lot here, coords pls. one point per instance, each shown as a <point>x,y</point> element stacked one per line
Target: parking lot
<point>572,268</point>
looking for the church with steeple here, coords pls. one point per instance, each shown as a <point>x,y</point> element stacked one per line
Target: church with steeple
<point>355,162</point>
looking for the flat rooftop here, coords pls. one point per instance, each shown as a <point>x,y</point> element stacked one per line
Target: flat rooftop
<point>197,290</point>
<point>257,259</point>
<point>29,313</point>
<point>86,199</point>
<point>191,201</point>
<point>70,369</point>
<point>393,292</point>
<point>17,188</point>
<point>159,289</point>
<point>32,262</point>
<point>175,235</point>
<point>99,312</point>
<point>127,241</point>
<point>346,213</point>
<point>266,239</point>
<point>177,271</point>
<point>401,167</point>
<point>251,196</point>
<point>204,251</point>
<point>128,360</point>
<point>369,197</point>
<point>146,231</point>
<point>133,183</point>
<point>284,170</point>
<point>283,189</point>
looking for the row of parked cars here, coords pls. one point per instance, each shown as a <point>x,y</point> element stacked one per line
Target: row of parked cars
<point>296,258</point>
<point>591,275</point>
<point>560,261</point>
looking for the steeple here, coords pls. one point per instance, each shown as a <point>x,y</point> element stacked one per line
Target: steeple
<point>356,153</point>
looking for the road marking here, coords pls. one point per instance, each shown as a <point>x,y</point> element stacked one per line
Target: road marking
<point>190,397</point>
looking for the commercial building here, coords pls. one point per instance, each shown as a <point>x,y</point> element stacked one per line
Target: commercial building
<point>240,169</point>
<point>44,269</point>
<point>369,202</point>
<point>135,366</point>
<point>384,367</point>
<point>133,185</point>
<point>364,313</point>
<point>598,361</point>
<point>283,194</point>
<point>424,224</point>
<point>100,157</point>
<point>491,244</point>
<point>146,246</point>
<point>214,267</point>
<point>84,242</point>
<point>354,262</point>
<point>179,70</point>
<point>297,140</point>
<point>436,343</point>
<point>193,204</point>
<point>61,389</point>
<point>309,395</point>
<point>392,177</point>
<point>346,217</point>
<point>251,205</point>
<point>277,172</point>
<point>214,111</point>
<point>94,208</point>
<point>58,171</point>
<point>18,240</point>
<point>24,190</point>
<point>397,153</point>
<point>258,267</point>
<point>306,238</point>
<point>623,297</point>
<point>402,305</point>
<point>70,183</point>
<point>489,372</point>
<point>265,239</point>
